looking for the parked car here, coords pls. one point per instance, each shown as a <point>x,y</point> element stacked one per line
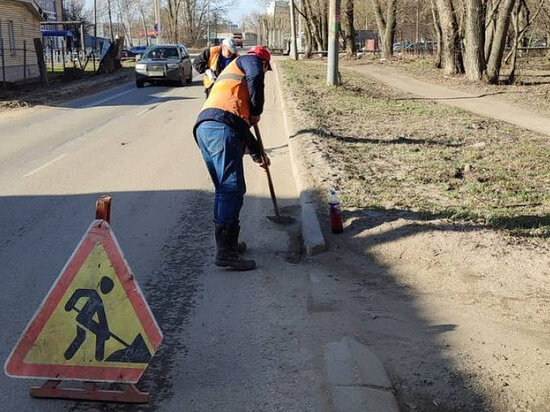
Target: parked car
<point>401,46</point>
<point>164,63</point>
<point>127,54</point>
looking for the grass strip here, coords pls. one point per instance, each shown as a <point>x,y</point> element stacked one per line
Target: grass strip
<point>388,152</point>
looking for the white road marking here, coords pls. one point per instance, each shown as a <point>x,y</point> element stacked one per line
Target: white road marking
<point>106,99</point>
<point>46,165</point>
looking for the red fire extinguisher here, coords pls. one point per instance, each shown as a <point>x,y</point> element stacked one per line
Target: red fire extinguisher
<point>336,220</point>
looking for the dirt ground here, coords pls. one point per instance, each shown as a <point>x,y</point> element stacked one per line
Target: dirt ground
<point>34,94</point>
<point>457,309</point>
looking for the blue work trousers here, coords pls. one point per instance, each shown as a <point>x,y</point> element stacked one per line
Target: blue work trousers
<point>222,150</point>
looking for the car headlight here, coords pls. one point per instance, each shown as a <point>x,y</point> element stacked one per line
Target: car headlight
<point>172,65</point>
<point>140,66</point>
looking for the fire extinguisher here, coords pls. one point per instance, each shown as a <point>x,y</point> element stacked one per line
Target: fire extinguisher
<point>336,220</point>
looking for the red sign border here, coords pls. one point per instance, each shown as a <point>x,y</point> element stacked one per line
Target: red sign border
<point>98,232</point>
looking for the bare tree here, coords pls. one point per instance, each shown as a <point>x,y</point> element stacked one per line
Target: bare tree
<point>349,28</point>
<point>452,48</point>
<point>387,23</point>
<point>74,10</point>
<point>438,36</point>
<point>521,21</point>
<point>494,62</point>
<point>474,56</point>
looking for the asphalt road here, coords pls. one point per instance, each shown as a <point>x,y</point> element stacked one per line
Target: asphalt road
<point>227,336</point>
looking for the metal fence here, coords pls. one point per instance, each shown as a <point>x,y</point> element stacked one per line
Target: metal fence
<point>17,64</point>
<point>21,65</point>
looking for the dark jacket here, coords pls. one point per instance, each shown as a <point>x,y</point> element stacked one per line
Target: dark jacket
<point>252,67</point>
<point>201,62</point>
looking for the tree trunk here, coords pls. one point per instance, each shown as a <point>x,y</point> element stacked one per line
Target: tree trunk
<point>391,25</point>
<point>514,51</point>
<point>314,24</point>
<point>438,36</point>
<point>309,42</point>
<point>386,25</point>
<point>474,57</point>
<point>324,29</point>
<point>351,47</point>
<point>499,42</point>
<point>307,27</point>
<point>452,52</point>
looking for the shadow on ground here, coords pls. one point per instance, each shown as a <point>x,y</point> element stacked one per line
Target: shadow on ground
<point>400,140</point>
<point>164,236</point>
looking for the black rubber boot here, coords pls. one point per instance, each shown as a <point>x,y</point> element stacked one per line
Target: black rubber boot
<point>227,255</point>
<point>241,246</point>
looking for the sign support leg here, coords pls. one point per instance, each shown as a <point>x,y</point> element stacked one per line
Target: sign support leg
<point>128,393</point>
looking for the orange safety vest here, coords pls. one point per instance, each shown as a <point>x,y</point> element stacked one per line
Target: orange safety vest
<point>230,93</point>
<point>212,65</point>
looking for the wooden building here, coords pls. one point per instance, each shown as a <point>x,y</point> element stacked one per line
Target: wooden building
<point>19,25</point>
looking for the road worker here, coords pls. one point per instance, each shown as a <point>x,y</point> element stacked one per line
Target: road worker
<point>222,131</point>
<point>213,60</point>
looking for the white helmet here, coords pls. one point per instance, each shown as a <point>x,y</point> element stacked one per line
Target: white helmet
<point>230,44</point>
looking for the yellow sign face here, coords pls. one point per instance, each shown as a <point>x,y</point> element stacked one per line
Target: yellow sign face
<point>90,324</point>
<point>94,325</point>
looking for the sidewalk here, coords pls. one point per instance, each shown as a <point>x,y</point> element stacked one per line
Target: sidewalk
<point>487,105</point>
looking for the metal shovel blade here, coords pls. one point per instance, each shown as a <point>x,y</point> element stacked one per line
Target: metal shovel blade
<point>282,220</point>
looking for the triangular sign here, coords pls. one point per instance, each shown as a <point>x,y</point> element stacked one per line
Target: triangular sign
<point>94,324</point>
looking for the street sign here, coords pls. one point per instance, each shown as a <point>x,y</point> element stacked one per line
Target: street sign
<point>94,324</point>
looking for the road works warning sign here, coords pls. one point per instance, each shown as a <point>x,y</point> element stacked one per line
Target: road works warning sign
<point>94,324</point>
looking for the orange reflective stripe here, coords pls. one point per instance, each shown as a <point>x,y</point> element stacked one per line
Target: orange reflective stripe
<point>212,65</point>
<point>230,93</point>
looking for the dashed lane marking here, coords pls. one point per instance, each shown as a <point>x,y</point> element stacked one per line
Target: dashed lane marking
<point>46,165</point>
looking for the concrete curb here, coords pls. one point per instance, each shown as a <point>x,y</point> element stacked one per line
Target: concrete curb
<point>357,379</point>
<point>314,241</point>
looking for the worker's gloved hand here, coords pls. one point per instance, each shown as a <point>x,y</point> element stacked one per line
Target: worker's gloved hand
<point>210,75</point>
<point>254,120</point>
<point>264,162</point>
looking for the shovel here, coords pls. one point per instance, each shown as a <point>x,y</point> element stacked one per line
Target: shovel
<point>278,218</point>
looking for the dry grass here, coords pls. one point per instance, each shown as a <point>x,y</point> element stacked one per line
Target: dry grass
<point>387,152</point>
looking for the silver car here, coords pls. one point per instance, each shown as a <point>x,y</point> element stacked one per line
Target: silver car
<point>164,63</point>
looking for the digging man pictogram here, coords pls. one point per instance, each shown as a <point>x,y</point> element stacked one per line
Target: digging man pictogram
<point>92,307</point>
<point>136,351</point>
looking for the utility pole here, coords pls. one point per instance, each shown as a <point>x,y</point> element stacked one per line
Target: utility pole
<point>293,45</point>
<point>95,33</point>
<point>110,21</point>
<point>157,21</point>
<point>333,33</point>
<point>417,33</point>
<point>208,24</point>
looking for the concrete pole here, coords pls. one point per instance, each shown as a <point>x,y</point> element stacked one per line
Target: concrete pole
<point>95,24</point>
<point>156,25</point>
<point>82,41</point>
<point>333,33</point>
<point>159,35</point>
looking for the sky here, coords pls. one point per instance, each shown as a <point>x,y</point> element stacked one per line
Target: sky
<point>241,8</point>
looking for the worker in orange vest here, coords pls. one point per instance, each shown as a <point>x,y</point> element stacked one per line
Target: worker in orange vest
<point>213,60</point>
<point>222,131</point>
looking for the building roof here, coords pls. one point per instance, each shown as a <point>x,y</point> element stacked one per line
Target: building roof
<point>34,8</point>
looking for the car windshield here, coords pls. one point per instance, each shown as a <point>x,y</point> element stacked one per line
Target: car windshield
<point>162,53</point>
